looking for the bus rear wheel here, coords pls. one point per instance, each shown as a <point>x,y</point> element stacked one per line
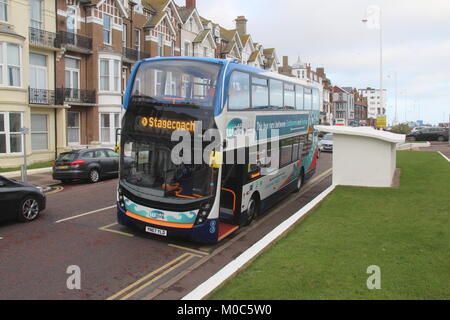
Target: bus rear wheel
<point>300,181</point>
<point>252,210</point>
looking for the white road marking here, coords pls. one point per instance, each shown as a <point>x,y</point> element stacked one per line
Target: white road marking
<point>85,214</point>
<point>444,156</point>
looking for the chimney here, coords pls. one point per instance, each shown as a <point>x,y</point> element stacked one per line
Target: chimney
<point>191,4</point>
<point>241,25</point>
<point>285,63</point>
<point>320,72</point>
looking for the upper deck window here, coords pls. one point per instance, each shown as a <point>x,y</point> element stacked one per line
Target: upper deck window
<point>276,93</point>
<point>177,82</point>
<point>239,91</point>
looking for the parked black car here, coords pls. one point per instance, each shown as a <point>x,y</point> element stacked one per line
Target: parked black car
<point>429,134</point>
<point>20,200</point>
<point>86,164</point>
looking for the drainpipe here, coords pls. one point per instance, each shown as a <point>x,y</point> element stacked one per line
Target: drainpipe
<point>54,80</point>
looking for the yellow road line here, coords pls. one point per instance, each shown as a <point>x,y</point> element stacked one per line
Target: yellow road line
<point>148,276</point>
<point>320,176</point>
<point>166,272</point>
<point>188,249</point>
<point>106,228</point>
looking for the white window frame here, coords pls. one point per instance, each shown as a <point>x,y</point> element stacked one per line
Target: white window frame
<point>124,35</point>
<point>137,39</point>
<point>160,44</point>
<point>79,129</point>
<point>106,30</point>
<point>41,132</point>
<point>113,76</point>
<point>75,19</point>
<point>7,132</point>
<point>112,127</point>
<point>42,68</point>
<point>41,15</point>
<point>71,71</point>
<point>187,45</point>
<point>4,65</point>
<point>5,6</point>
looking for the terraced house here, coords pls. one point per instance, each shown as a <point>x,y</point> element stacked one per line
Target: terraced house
<point>29,47</point>
<point>64,68</point>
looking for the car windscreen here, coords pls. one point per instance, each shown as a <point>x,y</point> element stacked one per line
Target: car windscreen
<point>328,137</point>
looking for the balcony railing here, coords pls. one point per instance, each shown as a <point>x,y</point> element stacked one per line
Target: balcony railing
<point>134,55</point>
<point>44,38</point>
<point>75,40</point>
<point>41,96</point>
<point>75,95</point>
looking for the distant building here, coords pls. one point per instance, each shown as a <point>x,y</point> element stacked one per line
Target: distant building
<point>375,108</point>
<point>343,105</point>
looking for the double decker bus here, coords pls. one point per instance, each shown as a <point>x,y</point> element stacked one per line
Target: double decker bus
<point>206,197</point>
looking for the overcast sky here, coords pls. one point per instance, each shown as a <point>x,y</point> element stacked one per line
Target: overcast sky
<point>330,34</point>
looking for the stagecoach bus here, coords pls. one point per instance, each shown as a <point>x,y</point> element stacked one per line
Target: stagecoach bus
<point>265,125</point>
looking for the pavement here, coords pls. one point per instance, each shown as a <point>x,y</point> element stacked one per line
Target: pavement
<point>78,228</point>
<point>442,147</point>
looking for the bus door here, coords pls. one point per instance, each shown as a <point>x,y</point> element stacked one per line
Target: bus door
<point>231,192</point>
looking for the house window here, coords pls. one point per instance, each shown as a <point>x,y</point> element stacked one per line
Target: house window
<point>38,71</point>
<point>124,36</point>
<point>71,21</point>
<point>191,24</point>
<point>39,132</point>
<point>186,49</point>
<point>109,123</point>
<point>73,128</point>
<point>10,135</point>
<point>107,29</point>
<point>10,64</point>
<point>36,7</point>
<point>137,39</point>
<point>160,45</point>
<point>4,10</point>
<point>205,51</point>
<point>72,76</point>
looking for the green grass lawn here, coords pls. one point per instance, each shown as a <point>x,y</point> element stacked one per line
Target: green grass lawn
<point>405,231</point>
<point>37,165</point>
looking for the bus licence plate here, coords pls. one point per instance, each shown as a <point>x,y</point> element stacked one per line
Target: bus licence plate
<point>159,232</point>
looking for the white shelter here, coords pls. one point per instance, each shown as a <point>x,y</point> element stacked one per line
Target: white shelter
<point>363,156</point>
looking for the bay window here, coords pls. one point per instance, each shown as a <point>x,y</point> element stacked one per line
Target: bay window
<point>10,64</point>
<point>109,123</point>
<point>110,75</point>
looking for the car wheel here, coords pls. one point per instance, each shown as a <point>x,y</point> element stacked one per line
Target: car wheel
<point>252,210</point>
<point>94,176</point>
<point>441,139</point>
<point>29,209</point>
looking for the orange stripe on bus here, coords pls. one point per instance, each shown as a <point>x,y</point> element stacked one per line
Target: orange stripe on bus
<point>160,223</point>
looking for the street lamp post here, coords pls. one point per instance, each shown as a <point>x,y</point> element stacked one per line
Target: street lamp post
<point>374,14</point>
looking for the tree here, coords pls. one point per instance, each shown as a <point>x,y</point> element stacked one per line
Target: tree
<point>402,128</point>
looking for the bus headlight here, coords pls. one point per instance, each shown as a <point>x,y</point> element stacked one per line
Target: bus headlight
<point>120,199</point>
<point>203,213</point>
